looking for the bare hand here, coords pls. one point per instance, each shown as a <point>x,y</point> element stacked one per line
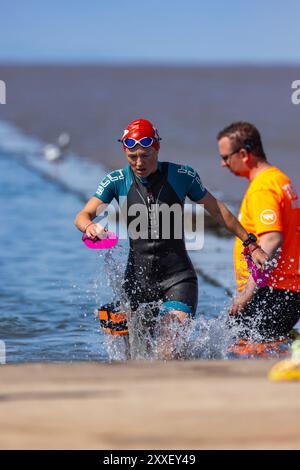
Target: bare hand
<point>240,301</point>
<point>260,258</point>
<point>236,307</point>
<point>95,231</point>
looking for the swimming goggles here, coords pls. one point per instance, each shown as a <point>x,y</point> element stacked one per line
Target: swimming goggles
<point>144,142</point>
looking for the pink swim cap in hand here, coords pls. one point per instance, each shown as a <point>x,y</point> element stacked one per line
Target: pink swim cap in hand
<point>101,244</point>
<point>261,278</point>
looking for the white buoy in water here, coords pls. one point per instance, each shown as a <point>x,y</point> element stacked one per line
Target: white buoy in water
<point>53,152</point>
<point>63,140</point>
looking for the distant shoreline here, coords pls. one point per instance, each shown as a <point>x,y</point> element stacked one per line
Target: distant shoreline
<point>177,65</point>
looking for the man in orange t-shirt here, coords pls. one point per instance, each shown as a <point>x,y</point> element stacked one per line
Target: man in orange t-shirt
<point>271,211</point>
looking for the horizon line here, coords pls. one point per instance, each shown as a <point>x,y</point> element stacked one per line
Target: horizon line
<point>78,63</point>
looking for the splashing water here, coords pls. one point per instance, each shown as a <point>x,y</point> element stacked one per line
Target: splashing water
<point>198,338</point>
<point>207,338</point>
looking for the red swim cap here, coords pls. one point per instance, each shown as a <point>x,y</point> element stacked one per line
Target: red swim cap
<point>141,128</point>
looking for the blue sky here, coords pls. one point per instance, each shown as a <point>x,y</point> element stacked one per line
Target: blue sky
<point>156,31</point>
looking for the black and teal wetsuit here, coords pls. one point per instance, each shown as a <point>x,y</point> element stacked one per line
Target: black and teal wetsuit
<point>157,268</point>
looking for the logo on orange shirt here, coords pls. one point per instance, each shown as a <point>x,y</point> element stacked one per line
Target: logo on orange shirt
<point>268,217</point>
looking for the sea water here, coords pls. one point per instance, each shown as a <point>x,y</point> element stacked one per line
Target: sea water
<point>51,284</point>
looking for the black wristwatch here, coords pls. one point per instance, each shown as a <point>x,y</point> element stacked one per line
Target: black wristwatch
<point>251,239</point>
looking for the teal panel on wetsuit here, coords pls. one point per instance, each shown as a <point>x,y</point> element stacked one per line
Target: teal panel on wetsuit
<point>115,184</point>
<point>184,180</point>
<point>170,305</point>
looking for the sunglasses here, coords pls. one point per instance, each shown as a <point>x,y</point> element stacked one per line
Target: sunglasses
<point>144,142</point>
<point>248,145</point>
<point>225,158</point>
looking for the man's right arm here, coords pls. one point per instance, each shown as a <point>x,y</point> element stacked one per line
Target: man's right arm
<point>84,218</point>
<point>271,243</point>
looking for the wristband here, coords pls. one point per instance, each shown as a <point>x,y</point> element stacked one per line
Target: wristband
<point>250,239</point>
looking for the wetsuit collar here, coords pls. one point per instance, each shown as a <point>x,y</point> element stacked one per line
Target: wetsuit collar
<point>149,179</point>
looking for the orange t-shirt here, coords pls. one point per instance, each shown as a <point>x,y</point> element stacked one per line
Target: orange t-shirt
<point>271,204</point>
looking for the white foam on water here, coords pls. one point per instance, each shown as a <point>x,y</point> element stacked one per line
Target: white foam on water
<point>77,174</point>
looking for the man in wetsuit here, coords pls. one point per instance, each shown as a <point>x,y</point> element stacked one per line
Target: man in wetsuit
<point>270,210</point>
<point>159,268</point>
